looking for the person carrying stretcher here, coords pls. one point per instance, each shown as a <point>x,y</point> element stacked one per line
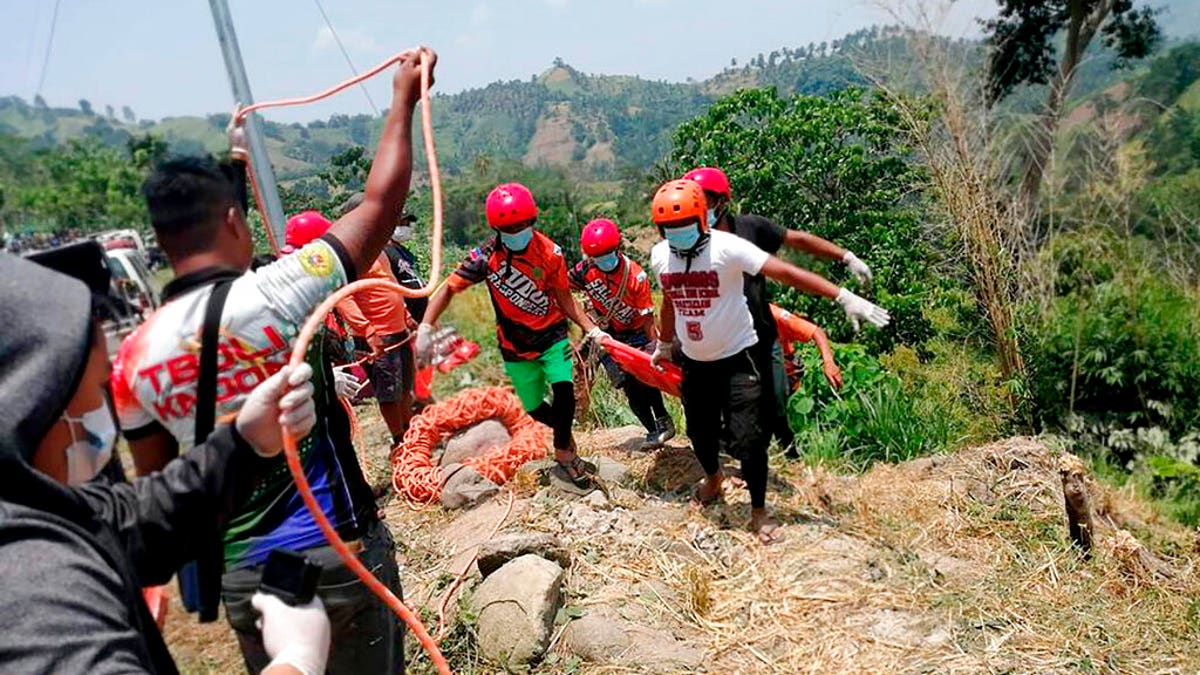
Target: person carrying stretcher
<point>619,292</point>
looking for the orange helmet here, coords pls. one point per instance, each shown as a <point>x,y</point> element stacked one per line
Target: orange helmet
<point>679,200</point>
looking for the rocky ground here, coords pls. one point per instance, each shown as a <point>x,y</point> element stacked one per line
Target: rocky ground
<point>956,563</point>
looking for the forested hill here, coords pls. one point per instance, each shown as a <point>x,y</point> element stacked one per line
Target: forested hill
<point>560,116</point>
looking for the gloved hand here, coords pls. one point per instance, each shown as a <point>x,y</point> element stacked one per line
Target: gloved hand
<point>345,384</point>
<point>662,352</point>
<point>860,309</point>
<point>596,334</point>
<point>284,400</point>
<point>424,346</point>
<point>860,271</point>
<point>295,636</point>
<point>236,133</point>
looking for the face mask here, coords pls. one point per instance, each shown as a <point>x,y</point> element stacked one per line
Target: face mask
<point>607,262</point>
<point>87,455</point>
<point>682,238</point>
<point>517,241</point>
<point>712,218</point>
<point>402,233</point>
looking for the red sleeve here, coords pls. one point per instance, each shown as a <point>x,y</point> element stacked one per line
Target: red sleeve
<point>640,298</point>
<point>578,276</point>
<point>556,270</point>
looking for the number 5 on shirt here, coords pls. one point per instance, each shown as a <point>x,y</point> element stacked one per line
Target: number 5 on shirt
<point>694,332</point>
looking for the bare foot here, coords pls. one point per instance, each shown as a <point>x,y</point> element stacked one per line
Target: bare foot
<point>710,489</point>
<point>768,530</point>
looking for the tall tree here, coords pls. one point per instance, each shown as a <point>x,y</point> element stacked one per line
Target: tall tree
<point>1023,51</point>
<point>127,113</point>
<point>86,107</point>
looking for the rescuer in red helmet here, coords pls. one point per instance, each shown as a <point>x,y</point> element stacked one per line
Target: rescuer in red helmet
<point>702,273</point>
<point>619,292</point>
<point>526,276</point>
<point>771,237</point>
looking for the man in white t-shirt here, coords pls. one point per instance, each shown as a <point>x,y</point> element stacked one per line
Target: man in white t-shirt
<point>701,273</point>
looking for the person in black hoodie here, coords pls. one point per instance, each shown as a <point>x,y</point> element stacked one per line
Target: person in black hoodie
<point>75,552</point>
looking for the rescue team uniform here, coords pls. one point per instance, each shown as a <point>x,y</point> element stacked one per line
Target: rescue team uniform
<point>377,311</point>
<point>623,296</point>
<point>723,386</point>
<point>154,387</point>
<point>791,329</point>
<point>768,236</point>
<point>531,329</point>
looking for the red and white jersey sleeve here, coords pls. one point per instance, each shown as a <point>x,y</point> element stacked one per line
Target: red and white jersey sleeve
<point>157,368</point>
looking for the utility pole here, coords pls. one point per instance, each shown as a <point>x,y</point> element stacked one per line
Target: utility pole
<point>264,175</point>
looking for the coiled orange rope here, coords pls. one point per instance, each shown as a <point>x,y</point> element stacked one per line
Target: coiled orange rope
<point>314,323</point>
<point>414,474</point>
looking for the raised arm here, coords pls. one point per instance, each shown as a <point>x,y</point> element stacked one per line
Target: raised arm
<point>364,231</point>
<point>823,248</point>
<point>857,308</point>
<point>570,307</point>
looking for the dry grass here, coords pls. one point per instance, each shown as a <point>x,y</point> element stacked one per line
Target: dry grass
<point>948,564</point>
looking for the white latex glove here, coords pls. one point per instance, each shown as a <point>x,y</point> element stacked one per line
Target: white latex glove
<point>345,384</point>
<point>860,309</point>
<point>596,334</point>
<point>858,268</point>
<point>662,352</point>
<point>283,401</point>
<point>295,636</point>
<point>424,346</point>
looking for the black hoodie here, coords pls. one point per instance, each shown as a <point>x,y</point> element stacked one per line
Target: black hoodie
<point>73,560</point>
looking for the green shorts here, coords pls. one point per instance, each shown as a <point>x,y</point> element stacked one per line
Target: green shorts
<point>531,378</point>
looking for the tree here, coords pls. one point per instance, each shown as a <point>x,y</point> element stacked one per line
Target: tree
<point>127,113</point>
<point>834,165</point>
<point>39,102</point>
<point>1022,42</point>
<point>86,107</point>
<point>109,112</point>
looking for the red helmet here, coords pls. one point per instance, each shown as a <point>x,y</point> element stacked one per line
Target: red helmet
<point>304,227</point>
<point>509,204</point>
<point>679,200</point>
<point>711,179</point>
<point>599,237</point>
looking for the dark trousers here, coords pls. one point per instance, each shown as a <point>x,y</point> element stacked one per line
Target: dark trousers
<point>367,637</point>
<point>645,401</point>
<point>724,405</point>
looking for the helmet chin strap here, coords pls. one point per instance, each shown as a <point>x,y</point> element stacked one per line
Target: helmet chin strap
<point>690,254</point>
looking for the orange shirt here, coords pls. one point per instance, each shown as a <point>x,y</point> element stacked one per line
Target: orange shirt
<point>791,329</point>
<point>626,313</point>
<point>375,311</point>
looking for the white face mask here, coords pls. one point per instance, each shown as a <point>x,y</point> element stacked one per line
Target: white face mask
<point>402,233</point>
<point>87,455</point>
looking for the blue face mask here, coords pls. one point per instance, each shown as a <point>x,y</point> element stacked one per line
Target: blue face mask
<point>517,241</point>
<point>712,218</point>
<point>607,262</point>
<point>682,238</point>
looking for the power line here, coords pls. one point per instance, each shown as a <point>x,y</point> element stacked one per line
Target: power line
<point>49,45</point>
<point>346,54</point>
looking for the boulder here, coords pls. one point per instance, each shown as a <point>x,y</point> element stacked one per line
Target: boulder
<point>474,441</point>
<point>603,639</point>
<point>516,606</point>
<point>498,551</point>
<point>464,487</point>
<point>610,470</point>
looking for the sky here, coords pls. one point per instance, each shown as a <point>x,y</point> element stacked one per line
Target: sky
<point>161,57</point>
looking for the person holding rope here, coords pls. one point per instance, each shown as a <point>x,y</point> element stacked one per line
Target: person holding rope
<point>702,274</point>
<point>378,322</point>
<point>526,276</point>
<point>770,237</point>
<point>619,292</point>
<point>77,548</point>
<point>221,330</point>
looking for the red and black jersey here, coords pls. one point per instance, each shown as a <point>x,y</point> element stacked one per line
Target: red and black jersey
<point>627,313</point>
<point>528,318</point>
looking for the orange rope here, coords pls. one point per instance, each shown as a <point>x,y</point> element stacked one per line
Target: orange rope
<point>414,474</point>
<point>290,444</point>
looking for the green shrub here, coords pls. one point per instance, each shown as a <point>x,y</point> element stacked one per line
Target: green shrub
<point>873,418</point>
<point>1120,341</point>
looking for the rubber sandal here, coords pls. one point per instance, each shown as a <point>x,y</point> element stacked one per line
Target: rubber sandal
<point>579,471</point>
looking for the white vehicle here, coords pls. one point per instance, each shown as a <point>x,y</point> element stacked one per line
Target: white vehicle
<point>121,239</point>
<point>131,279</point>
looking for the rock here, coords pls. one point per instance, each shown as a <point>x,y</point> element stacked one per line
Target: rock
<point>464,487</point>
<point>596,500</point>
<point>596,638</point>
<point>474,442</point>
<point>610,470</point>
<point>599,638</point>
<point>496,552</point>
<point>516,606</point>
<point>583,519</point>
